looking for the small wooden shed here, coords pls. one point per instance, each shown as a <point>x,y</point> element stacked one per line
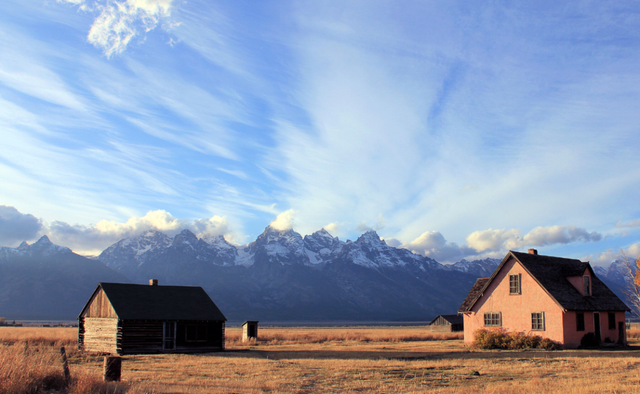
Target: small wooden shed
<point>124,318</point>
<point>249,330</point>
<point>447,323</point>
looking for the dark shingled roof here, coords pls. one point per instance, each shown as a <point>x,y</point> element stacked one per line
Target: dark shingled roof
<point>551,273</point>
<point>453,319</point>
<point>144,302</point>
<point>474,294</point>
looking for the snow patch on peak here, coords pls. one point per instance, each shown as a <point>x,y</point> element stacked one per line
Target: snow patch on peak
<point>370,237</point>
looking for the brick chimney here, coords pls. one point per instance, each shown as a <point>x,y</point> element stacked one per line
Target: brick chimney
<point>533,251</point>
<point>153,282</point>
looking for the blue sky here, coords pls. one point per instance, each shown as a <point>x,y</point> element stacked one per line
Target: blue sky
<point>454,129</point>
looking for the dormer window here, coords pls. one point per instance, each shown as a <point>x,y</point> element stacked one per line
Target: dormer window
<point>586,280</point>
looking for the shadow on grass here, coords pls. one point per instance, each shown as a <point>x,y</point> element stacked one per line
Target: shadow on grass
<point>631,351</point>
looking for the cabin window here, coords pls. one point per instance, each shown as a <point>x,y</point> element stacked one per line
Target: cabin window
<point>587,285</point>
<point>196,333</point>
<point>579,321</point>
<point>537,321</point>
<point>493,319</point>
<point>514,284</point>
<point>612,321</point>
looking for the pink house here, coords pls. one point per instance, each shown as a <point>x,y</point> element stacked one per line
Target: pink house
<point>553,297</point>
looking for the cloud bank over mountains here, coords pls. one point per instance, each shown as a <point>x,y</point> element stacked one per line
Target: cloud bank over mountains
<point>16,227</point>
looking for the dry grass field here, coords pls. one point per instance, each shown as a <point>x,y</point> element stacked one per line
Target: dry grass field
<point>319,360</point>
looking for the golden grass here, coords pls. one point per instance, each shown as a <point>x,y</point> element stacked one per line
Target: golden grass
<point>308,335</point>
<point>328,360</point>
<point>60,336</point>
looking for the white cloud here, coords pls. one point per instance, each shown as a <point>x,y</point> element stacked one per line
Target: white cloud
<point>120,21</point>
<point>629,224</point>
<point>493,243</point>
<point>333,228</point>
<point>541,236</point>
<point>16,227</point>
<point>434,245</point>
<point>491,240</point>
<point>93,239</point>
<point>283,221</point>
<point>604,258</point>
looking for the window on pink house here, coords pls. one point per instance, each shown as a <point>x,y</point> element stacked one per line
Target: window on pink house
<point>612,321</point>
<point>514,284</point>
<point>579,321</point>
<point>586,280</point>
<point>537,321</point>
<point>493,319</point>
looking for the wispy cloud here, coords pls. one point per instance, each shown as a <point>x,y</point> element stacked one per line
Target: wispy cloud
<point>629,224</point>
<point>119,22</point>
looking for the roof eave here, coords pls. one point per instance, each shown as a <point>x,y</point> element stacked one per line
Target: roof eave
<point>486,285</point>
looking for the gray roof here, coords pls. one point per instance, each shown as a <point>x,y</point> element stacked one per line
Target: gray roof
<point>551,273</point>
<point>144,302</point>
<point>453,319</point>
<point>473,295</point>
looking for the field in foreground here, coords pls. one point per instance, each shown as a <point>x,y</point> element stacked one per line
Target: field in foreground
<point>320,360</point>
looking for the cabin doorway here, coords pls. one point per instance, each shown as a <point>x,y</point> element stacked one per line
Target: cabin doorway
<point>169,336</point>
<point>596,324</point>
<point>622,337</point>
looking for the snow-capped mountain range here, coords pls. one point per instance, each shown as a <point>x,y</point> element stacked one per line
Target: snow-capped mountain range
<point>281,276</point>
<point>42,247</point>
<point>286,247</point>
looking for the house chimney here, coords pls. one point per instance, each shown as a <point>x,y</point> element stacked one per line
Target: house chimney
<point>153,282</point>
<point>533,251</point>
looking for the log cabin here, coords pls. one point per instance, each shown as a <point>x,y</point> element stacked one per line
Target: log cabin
<point>122,318</point>
<point>553,297</point>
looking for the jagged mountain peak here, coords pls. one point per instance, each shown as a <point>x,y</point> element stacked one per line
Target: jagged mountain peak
<point>23,246</point>
<point>323,233</point>
<point>218,241</point>
<point>185,238</point>
<point>45,246</point>
<point>44,240</point>
<point>369,236</point>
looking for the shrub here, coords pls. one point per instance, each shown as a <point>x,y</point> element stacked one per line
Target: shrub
<point>501,339</point>
<point>589,341</point>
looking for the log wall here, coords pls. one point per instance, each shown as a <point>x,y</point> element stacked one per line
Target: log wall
<point>214,338</point>
<point>99,335</point>
<point>140,336</point>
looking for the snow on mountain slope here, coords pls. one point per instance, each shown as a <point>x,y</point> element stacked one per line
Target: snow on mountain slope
<point>135,250</point>
<point>42,247</point>
<point>480,268</point>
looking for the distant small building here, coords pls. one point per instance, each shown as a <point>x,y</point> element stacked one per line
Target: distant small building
<point>447,323</point>
<point>553,297</point>
<point>249,330</point>
<point>124,318</point>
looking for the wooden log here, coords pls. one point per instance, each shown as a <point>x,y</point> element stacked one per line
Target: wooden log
<point>112,368</point>
<point>65,365</point>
